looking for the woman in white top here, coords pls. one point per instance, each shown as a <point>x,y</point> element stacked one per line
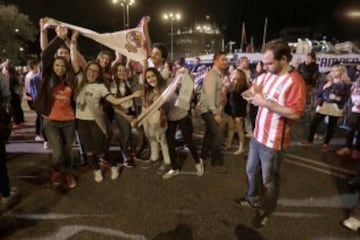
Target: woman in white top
<point>89,90</point>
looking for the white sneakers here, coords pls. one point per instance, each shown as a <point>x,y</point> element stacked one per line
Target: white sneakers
<point>114,173</point>
<point>171,173</point>
<point>47,145</point>
<point>240,150</point>
<point>200,168</point>
<point>39,138</point>
<point>98,176</point>
<point>351,223</point>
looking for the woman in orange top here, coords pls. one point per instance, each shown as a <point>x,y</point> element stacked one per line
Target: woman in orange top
<point>54,103</point>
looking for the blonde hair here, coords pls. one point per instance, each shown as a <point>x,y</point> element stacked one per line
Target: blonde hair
<point>344,76</point>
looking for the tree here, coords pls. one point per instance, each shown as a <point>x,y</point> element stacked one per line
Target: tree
<point>17,31</point>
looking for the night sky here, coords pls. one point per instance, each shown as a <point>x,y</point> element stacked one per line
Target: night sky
<point>323,17</point>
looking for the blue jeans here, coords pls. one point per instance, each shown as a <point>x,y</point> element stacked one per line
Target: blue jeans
<point>212,140</point>
<point>60,135</point>
<point>263,165</point>
<point>125,135</point>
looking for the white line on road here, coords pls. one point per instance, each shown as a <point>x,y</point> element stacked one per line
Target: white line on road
<point>318,169</point>
<point>321,164</point>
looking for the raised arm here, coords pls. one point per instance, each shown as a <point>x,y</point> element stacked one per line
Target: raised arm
<point>48,54</point>
<point>44,41</point>
<point>73,52</point>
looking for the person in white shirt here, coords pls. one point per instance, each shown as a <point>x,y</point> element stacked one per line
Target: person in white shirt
<point>89,90</point>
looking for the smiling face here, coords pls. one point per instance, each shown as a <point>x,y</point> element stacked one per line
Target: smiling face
<point>121,72</point>
<point>156,56</point>
<point>59,67</point>
<point>92,73</point>
<point>104,60</point>
<point>151,79</point>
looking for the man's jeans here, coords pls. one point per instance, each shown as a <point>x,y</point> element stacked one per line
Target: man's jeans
<point>212,140</point>
<point>266,160</point>
<point>60,135</point>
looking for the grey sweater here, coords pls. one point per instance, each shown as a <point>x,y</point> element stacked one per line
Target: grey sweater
<point>210,99</point>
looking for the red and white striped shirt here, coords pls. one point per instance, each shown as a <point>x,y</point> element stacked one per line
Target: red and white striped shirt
<point>288,90</point>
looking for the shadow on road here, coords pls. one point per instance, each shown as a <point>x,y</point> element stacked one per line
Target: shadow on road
<point>181,232</point>
<point>243,232</point>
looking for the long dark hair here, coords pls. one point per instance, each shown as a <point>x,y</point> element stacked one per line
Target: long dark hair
<point>147,88</point>
<point>53,80</point>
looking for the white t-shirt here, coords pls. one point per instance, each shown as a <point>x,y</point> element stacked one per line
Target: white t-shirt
<point>92,93</point>
<point>113,90</point>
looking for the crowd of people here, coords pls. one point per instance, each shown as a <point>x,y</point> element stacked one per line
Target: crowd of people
<point>83,100</point>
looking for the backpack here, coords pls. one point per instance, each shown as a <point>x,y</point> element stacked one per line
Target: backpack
<point>5,120</point>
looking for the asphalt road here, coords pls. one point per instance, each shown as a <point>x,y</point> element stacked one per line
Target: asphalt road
<point>314,198</point>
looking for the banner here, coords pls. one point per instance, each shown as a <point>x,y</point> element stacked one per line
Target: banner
<point>324,60</point>
<point>132,43</point>
<point>147,112</point>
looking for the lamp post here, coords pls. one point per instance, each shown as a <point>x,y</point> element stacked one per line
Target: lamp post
<point>125,4</point>
<point>172,17</point>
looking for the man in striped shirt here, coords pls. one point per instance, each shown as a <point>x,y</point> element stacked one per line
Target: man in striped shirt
<point>280,95</point>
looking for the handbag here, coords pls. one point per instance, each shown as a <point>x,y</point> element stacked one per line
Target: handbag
<point>330,109</point>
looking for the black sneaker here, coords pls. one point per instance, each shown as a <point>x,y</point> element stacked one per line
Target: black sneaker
<point>261,219</point>
<point>244,202</point>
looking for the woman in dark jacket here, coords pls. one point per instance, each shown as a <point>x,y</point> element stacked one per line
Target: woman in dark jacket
<point>54,103</point>
<point>331,98</point>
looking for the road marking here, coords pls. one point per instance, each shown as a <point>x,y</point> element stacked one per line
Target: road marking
<point>28,177</point>
<point>318,169</point>
<point>297,214</point>
<point>67,232</point>
<point>321,164</point>
<point>340,201</point>
<point>53,216</point>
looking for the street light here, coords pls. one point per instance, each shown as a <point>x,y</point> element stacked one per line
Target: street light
<point>125,4</point>
<point>354,14</point>
<point>172,17</point>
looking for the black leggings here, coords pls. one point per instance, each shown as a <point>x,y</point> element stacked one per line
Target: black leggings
<point>330,127</point>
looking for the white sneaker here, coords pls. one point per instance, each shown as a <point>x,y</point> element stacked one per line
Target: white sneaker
<point>200,168</point>
<point>39,138</point>
<point>240,150</point>
<point>351,223</point>
<point>114,173</point>
<point>171,173</point>
<point>47,145</point>
<point>98,176</point>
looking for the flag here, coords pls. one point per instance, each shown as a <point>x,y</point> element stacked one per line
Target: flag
<point>243,37</point>
<point>132,43</point>
<point>165,95</point>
